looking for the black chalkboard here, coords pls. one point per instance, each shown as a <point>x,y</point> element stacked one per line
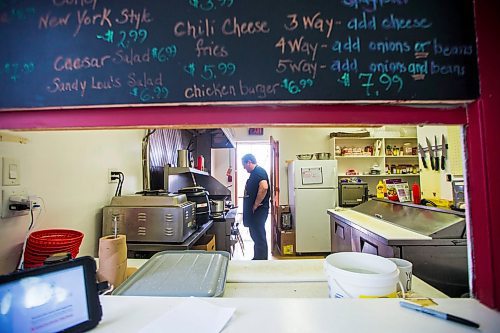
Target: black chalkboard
<point>69,53</point>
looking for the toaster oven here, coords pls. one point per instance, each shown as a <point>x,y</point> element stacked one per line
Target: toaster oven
<point>168,218</point>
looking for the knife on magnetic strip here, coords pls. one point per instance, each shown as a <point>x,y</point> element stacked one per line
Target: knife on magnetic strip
<point>444,151</point>
<point>431,152</point>
<point>422,155</point>
<point>436,157</point>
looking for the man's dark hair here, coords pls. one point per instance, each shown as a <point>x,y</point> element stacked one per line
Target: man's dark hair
<point>248,157</point>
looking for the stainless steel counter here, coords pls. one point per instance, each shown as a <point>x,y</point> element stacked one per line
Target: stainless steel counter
<point>429,221</point>
<point>432,239</point>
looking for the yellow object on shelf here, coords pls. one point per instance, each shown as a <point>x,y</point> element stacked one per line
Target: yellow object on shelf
<point>443,203</point>
<point>380,189</point>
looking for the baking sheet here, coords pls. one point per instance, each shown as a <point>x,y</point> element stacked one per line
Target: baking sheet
<point>179,274</point>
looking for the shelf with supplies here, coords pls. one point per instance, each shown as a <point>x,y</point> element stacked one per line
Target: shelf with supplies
<point>382,175</point>
<point>401,156</point>
<point>358,156</point>
<point>393,157</point>
<point>373,156</point>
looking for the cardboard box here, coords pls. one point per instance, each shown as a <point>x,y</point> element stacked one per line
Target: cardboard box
<point>286,244</point>
<point>283,209</point>
<point>206,243</point>
<point>397,190</point>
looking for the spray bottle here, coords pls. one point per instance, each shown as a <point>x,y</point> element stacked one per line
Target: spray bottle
<point>415,191</point>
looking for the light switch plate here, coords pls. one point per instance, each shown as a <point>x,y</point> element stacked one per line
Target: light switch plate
<point>4,208</point>
<point>11,172</point>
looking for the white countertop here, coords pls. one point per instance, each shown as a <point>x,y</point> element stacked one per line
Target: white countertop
<point>129,314</point>
<point>276,290</point>
<point>377,226</point>
<point>292,270</point>
<point>292,296</point>
<point>292,278</point>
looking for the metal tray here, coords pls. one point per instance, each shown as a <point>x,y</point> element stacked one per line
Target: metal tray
<point>179,274</point>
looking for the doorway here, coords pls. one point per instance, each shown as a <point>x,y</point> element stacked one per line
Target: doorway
<point>262,153</point>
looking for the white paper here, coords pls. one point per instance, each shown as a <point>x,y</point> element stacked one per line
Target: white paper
<point>209,318</point>
<point>312,176</point>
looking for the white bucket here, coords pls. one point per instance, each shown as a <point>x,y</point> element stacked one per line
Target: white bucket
<point>360,275</point>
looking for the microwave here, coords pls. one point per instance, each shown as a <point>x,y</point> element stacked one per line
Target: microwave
<point>352,194</point>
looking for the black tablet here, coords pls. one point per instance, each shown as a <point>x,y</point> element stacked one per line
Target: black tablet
<point>58,298</point>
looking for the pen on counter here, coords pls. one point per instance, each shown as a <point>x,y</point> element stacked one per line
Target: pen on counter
<point>438,314</point>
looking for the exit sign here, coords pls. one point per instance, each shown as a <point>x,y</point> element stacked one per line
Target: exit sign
<point>256,131</point>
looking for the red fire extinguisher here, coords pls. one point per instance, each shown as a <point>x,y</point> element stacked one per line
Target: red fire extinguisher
<point>229,170</point>
<point>201,163</point>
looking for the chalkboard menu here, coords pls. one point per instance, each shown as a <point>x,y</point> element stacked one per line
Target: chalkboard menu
<point>74,53</point>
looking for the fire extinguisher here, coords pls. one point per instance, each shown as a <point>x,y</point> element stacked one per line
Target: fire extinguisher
<point>229,170</point>
<point>201,163</point>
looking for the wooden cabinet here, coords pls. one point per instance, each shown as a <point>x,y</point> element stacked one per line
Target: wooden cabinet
<point>395,157</point>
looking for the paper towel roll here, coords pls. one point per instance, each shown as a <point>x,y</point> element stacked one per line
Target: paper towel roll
<point>112,259</point>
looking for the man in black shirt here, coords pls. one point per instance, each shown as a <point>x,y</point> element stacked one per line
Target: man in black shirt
<point>256,205</point>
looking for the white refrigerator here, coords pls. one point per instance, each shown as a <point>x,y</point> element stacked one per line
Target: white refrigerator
<point>312,189</point>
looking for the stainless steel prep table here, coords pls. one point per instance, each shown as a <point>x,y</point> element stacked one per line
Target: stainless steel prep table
<point>432,239</point>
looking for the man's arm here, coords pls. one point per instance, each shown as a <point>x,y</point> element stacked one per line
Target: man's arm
<point>261,194</point>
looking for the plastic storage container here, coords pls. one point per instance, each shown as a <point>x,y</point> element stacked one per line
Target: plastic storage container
<point>361,275</point>
<point>179,274</point>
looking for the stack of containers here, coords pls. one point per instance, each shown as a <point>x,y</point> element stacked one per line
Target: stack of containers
<point>44,243</point>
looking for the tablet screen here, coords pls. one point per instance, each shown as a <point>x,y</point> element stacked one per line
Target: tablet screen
<point>50,302</point>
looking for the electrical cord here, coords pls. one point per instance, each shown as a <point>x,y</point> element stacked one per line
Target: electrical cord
<point>149,133</point>
<point>117,187</point>
<point>121,178</point>
<point>32,206</point>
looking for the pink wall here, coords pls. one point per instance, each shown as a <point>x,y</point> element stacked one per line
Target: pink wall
<point>240,115</point>
<point>482,119</point>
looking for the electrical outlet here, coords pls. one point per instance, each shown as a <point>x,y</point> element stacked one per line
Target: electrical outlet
<point>6,194</point>
<point>110,177</point>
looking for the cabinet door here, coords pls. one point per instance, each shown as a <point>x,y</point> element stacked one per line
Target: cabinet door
<point>341,236</point>
<point>366,244</point>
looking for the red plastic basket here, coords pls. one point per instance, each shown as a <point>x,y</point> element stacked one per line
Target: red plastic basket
<point>43,243</point>
<point>56,237</point>
<point>51,248</point>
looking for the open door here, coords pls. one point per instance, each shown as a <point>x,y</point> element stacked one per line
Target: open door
<point>275,192</point>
